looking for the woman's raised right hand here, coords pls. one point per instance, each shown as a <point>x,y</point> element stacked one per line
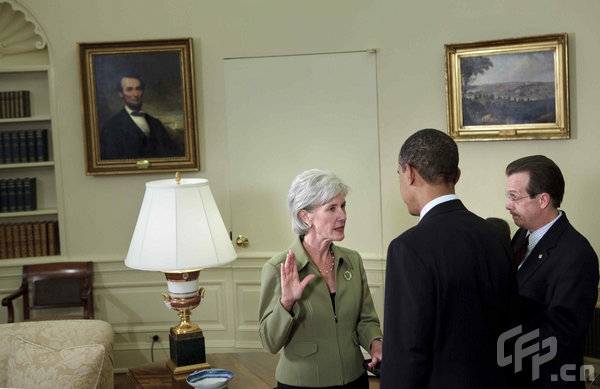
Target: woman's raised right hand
<point>291,286</point>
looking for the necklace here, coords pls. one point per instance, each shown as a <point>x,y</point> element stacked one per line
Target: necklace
<point>332,263</point>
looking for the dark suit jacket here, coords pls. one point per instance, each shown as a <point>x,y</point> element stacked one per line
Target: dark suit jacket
<point>450,291</point>
<point>558,289</point>
<point>121,138</point>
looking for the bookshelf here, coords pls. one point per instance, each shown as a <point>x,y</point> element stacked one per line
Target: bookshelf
<point>27,72</point>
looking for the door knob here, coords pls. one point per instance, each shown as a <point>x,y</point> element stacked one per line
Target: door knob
<point>242,241</point>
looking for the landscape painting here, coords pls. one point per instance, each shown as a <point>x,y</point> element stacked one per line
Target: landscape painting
<point>508,89</point>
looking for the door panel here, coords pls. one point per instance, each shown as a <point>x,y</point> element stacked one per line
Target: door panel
<point>288,114</point>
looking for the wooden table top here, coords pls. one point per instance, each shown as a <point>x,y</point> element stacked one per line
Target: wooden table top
<point>252,370</point>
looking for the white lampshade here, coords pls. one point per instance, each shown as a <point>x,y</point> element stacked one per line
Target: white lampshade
<point>179,228</point>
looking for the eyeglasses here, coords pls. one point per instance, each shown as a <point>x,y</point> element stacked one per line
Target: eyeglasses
<point>514,199</point>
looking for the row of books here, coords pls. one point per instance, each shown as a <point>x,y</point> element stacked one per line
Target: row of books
<point>15,104</point>
<point>21,146</point>
<point>18,194</point>
<point>35,239</point>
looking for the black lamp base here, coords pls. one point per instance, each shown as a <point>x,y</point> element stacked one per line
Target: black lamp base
<point>187,353</point>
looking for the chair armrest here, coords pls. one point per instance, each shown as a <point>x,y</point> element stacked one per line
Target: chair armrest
<point>18,293</point>
<point>8,302</point>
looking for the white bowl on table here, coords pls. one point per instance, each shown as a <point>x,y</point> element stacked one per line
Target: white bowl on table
<point>210,378</point>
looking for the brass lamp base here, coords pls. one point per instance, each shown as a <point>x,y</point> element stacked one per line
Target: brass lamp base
<point>182,372</point>
<point>186,341</point>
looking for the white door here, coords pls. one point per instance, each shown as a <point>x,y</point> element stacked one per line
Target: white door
<point>287,114</point>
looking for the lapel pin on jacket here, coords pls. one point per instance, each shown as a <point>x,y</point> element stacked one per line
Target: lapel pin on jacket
<point>348,275</point>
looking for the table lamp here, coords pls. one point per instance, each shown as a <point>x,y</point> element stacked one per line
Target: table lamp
<point>179,232</point>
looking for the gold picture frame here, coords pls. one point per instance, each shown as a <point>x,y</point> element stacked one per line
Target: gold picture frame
<point>139,106</point>
<point>508,89</point>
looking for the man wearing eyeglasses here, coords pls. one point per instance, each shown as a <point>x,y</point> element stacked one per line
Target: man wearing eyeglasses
<point>557,271</point>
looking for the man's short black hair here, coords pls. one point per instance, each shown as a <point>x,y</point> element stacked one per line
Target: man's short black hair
<point>433,154</point>
<point>544,176</point>
<point>129,75</point>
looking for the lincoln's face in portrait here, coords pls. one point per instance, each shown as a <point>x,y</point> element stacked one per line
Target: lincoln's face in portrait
<point>131,91</point>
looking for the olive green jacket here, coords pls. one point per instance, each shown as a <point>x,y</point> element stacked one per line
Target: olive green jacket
<point>320,348</point>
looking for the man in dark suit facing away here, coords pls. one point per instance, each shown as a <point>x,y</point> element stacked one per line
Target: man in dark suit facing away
<point>132,133</point>
<point>557,273</point>
<point>450,287</point>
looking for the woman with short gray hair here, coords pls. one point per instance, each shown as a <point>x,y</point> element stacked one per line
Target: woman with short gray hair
<point>315,302</point>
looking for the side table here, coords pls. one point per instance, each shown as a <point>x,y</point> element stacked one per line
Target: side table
<point>250,369</point>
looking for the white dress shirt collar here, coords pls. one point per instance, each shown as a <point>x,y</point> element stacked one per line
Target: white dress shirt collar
<point>537,235</point>
<point>436,201</point>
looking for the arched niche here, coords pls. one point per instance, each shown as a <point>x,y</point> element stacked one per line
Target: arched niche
<point>22,41</point>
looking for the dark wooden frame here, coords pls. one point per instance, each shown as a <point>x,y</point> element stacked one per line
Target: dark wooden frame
<point>81,271</point>
<point>173,85</point>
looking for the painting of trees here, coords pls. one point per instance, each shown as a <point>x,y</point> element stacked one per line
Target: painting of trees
<point>470,67</point>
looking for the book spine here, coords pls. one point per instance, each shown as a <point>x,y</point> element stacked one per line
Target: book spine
<point>29,236</point>
<point>7,146</point>
<point>31,149</point>
<point>44,238</point>
<point>10,243</point>
<point>23,238</point>
<point>15,104</point>
<point>16,240</point>
<point>56,239</point>
<point>27,205</point>
<point>22,146</point>
<point>52,239</point>
<point>41,142</point>
<point>3,196</point>
<point>11,194</point>
<point>26,104</point>
<point>3,105</point>
<point>19,194</point>
<point>20,105</point>
<point>29,194</point>
<point>3,253</point>
<point>11,104</point>
<point>2,147</point>
<point>33,194</point>
<point>37,240</point>
<point>14,145</point>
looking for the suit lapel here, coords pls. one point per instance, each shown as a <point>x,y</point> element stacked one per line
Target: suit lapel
<point>542,251</point>
<point>134,128</point>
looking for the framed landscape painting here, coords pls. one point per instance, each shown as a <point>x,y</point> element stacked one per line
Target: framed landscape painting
<point>508,89</point>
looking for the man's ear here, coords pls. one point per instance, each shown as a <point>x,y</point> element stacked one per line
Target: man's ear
<point>457,175</point>
<point>411,173</point>
<point>544,200</point>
